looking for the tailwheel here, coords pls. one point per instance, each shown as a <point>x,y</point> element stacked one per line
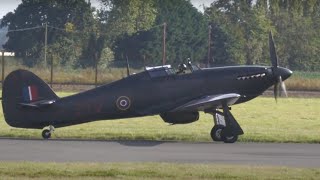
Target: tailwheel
<point>216,132</point>
<point>46,134</point>
<point>229,139</point>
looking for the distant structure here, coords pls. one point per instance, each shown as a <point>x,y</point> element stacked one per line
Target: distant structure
<point>8,54</point>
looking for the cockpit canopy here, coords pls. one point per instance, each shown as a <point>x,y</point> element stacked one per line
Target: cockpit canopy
<point>160,71</point>
<point>167,70</point>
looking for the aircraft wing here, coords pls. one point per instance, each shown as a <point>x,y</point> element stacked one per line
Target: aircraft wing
<point>38,104</point>
<point>209,102</point>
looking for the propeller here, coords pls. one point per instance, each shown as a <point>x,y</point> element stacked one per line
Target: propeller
<point>279,87</point>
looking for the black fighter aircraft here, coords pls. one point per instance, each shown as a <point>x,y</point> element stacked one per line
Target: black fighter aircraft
<point>177,96</point>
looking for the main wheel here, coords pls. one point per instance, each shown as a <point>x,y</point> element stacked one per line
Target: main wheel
<point>216,132</point>
<point>230,139</point>
<point>46,134</point>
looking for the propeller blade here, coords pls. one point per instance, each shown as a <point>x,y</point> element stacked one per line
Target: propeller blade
<point>279,86</point>
<point>283,87</point>
<point>275,91</point>
<point>273,53</point>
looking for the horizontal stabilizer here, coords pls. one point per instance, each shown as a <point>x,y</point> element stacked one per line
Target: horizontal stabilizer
<point>38,104</point>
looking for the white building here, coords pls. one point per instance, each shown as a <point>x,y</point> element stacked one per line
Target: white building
<point>8,54</point>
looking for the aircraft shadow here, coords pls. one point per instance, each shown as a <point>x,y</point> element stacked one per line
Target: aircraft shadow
<point>137,143</point>
<point>140,143</point>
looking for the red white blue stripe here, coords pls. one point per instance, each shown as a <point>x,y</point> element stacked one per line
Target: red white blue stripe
<point>30,93</point>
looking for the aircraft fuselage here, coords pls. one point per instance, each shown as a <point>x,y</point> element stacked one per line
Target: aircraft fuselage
<point>146,95</point>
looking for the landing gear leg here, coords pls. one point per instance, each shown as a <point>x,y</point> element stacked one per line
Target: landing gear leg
<point>232,130</point>
<point>226,127</point>
<point>46,133</point>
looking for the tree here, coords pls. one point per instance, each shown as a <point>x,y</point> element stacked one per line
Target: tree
<point>241,29</point>
<point>186,31</point>
<point>132,47</point>
<point>92,53</point>
<point>3,38</point>
<point>29,44</point>
<point>186,36</point>
<point>297,25</point>
<point>127,16</point>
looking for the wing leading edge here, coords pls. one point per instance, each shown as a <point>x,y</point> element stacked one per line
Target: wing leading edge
<point>209,102</point>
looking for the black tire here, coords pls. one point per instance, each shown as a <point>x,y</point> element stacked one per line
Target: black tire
<point>216,132</point>
<point>230,139</point>
<point>46,134</point>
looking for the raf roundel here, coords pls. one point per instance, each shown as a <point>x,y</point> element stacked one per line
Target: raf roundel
<point>123,103</point>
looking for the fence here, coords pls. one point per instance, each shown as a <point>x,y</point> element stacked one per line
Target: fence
<point>54,68</point>
<point>59,75</point>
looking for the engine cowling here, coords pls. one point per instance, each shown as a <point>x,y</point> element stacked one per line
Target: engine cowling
<point>180,117</point>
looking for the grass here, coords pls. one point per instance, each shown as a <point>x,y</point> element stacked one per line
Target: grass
<point>290,120</point>
<point>307,75</point>
<point>31,170</point>
<point>262,119</point>
<point>304,81</point>
<point>65,75</point>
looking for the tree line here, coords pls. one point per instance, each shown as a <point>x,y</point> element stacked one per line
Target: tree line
<point>236,31</point>
<point>3,38</point>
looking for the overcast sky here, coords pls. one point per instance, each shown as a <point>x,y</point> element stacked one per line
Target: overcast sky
<point>10,5</point>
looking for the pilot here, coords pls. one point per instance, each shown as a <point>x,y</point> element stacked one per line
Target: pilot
<point>190,65</point>
<point>181,68</point>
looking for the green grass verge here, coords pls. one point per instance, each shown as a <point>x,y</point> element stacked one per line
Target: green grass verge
<point>306,75</point>
<point>262,119</point>
<point>29,170</point>
<point>306,81</point>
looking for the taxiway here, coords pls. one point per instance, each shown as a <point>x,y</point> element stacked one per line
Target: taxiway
<point>266,154</point>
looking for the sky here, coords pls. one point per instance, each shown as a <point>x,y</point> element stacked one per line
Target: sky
<point>10,5</point>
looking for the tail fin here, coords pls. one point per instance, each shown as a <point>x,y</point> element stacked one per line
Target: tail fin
<point>22,87</point>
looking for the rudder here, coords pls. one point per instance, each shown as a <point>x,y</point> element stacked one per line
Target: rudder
<point>22,86</point>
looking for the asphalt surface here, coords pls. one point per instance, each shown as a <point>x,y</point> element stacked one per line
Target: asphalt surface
<point>294,155</point>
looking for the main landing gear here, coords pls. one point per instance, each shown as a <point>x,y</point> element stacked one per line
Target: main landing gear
<point>46,133</point>
<point>226,127</point>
